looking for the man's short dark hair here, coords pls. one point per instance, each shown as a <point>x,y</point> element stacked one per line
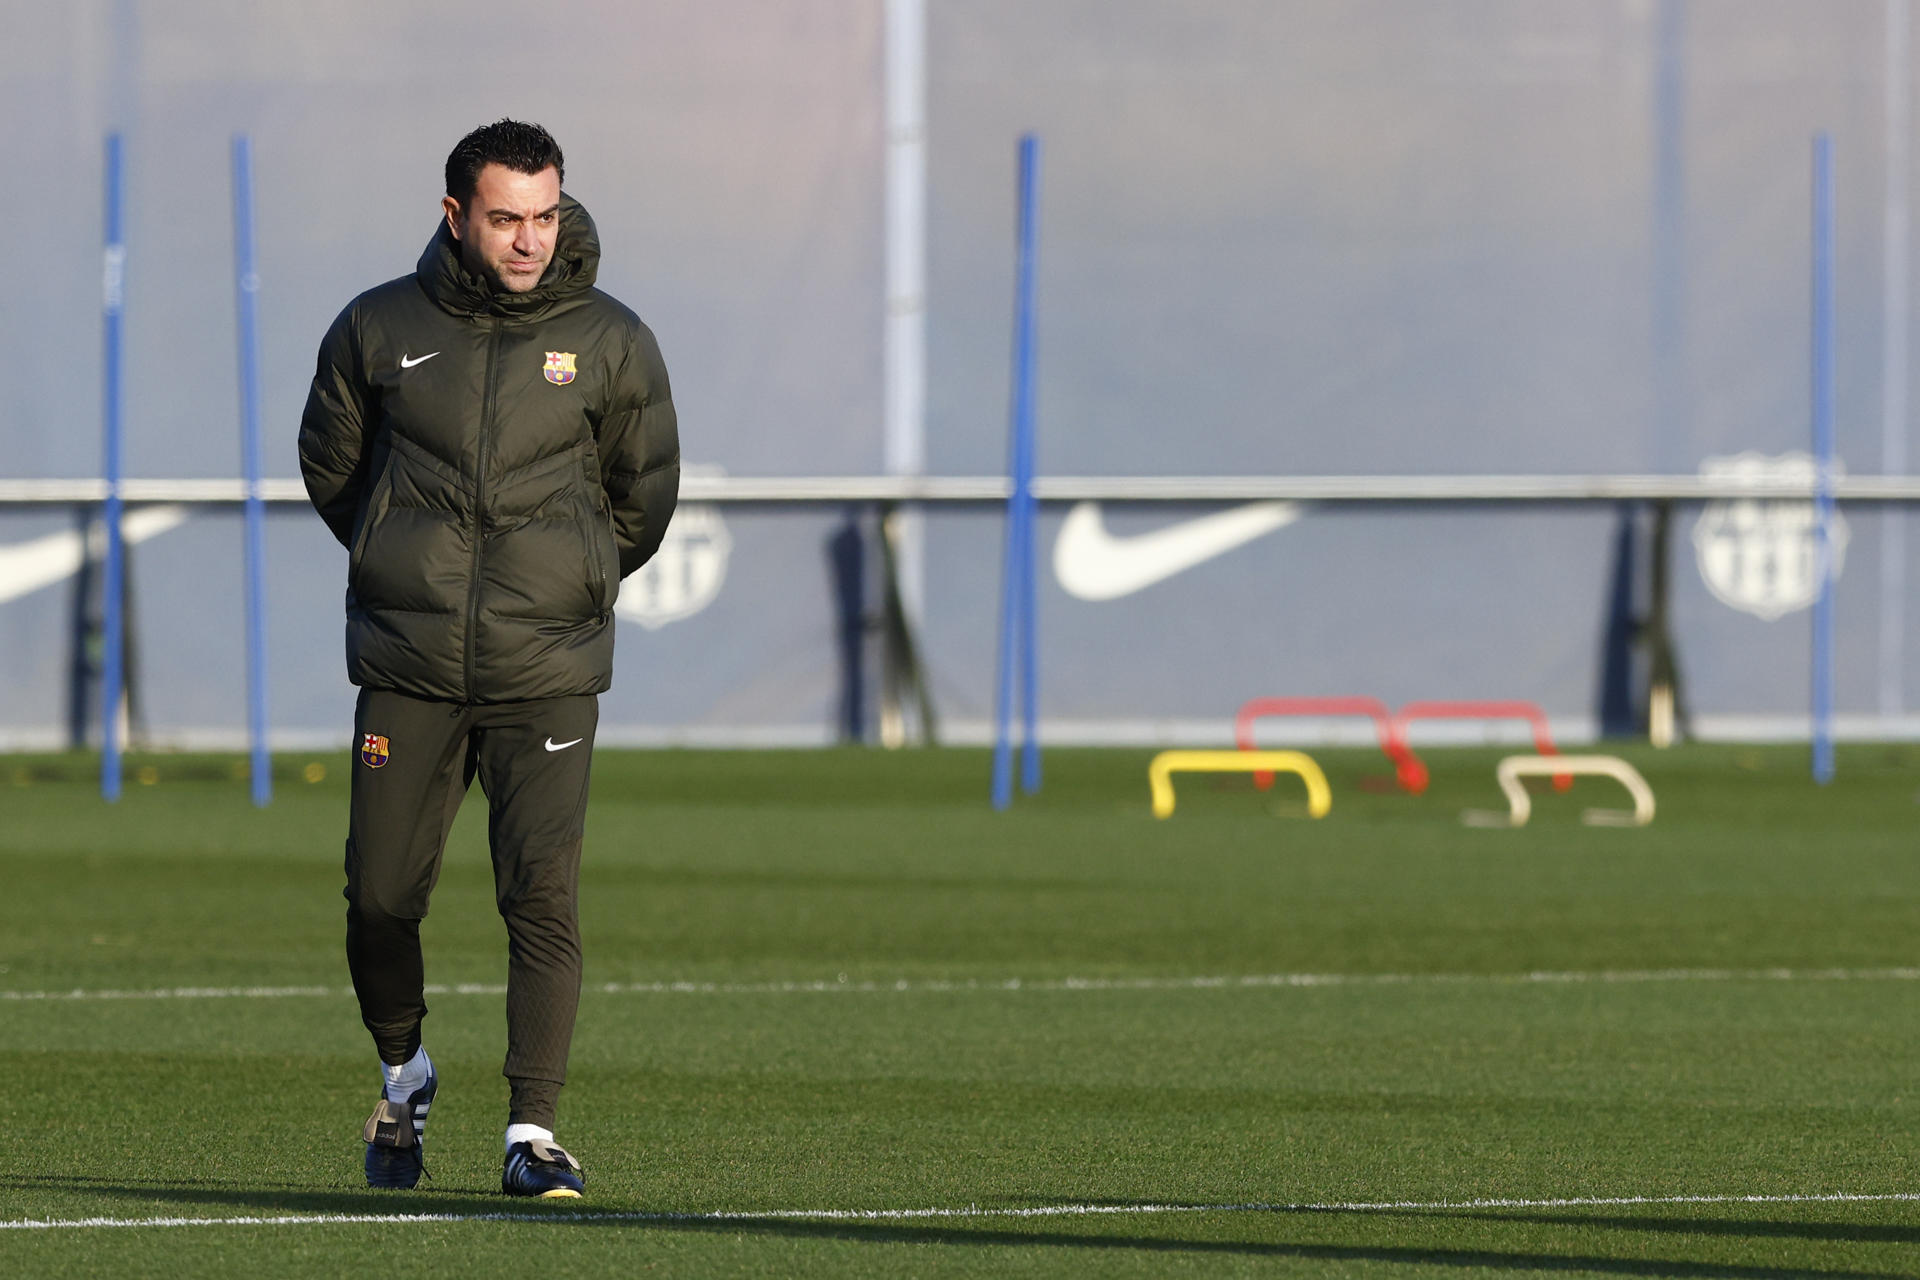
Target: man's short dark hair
<point>521,147</point>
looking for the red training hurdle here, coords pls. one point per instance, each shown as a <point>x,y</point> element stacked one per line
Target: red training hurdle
<point>1406,767</point>
<point>1493,710</point>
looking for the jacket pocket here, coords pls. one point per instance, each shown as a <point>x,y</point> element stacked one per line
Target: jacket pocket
<point>411,541</point>
<point>602,557</point>
<point>378,499</point>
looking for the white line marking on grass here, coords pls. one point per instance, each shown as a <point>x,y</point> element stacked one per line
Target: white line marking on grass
<point>1263,980</point>
<point>968,1211</point>
<point>180,993</point>
<point>1596,977</point>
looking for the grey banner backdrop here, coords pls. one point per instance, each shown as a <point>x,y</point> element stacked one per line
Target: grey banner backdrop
<point>1310,237</point>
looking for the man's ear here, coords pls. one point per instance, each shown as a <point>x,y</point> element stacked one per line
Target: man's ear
<point>451,208</point>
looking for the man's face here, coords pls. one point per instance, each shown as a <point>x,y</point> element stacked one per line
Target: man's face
<point>507,231</point>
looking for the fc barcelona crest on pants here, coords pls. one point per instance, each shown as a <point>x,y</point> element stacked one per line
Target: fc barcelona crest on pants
<point>560,367</point>
<point>373,750</point>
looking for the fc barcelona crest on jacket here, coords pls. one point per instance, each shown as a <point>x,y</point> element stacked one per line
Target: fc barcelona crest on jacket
<point>373,750</point>
<point>560,367</point>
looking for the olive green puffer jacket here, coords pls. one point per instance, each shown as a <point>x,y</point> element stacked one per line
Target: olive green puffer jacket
<point>494,463</point>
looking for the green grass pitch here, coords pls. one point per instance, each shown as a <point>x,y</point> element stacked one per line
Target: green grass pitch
<point>828,991</point>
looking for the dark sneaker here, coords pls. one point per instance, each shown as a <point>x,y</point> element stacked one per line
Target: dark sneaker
<point>396,1134</point>
<point>540,1168</point>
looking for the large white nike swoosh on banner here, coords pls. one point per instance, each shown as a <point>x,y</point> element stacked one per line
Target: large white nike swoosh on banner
<point>1092,564</point>
<point>25,567</point>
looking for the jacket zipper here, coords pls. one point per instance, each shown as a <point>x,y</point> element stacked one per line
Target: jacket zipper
<point>487,401</point>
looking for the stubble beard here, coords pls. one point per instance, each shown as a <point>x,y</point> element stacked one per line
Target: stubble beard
<point>501,280</point>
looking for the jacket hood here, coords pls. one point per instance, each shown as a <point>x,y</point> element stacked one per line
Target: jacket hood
<point>575,266</point>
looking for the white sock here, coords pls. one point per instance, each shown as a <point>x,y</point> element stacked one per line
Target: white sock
<point>409,1076</point>
<point>527,1133</point>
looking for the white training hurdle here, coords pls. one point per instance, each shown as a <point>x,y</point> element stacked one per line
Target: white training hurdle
<point>1520,806</point>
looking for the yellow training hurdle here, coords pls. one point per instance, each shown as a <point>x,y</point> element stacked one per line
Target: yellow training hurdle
<point>1167,763</point>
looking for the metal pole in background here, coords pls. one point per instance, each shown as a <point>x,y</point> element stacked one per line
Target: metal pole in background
<point>1667,234</point>
<point>246,287</point>
<point>904,356</point>
<point>1017,628</point>
<point>1895,234</point>
<point>1823,457</point>
<point>113,621</point>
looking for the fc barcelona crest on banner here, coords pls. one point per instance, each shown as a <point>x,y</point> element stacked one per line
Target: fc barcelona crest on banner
<point>1763,555</point>
<point>373,750</point>
<point>686,574</point>
<point>560,367</point>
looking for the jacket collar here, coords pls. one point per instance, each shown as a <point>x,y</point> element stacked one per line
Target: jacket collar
<point>575,265</point>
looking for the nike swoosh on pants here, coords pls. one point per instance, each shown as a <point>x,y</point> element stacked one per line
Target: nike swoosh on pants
<point>1092,564</point>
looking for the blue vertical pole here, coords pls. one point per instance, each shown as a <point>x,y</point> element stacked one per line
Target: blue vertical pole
<point>1025,434</point>
<point>247,287</point>
<point>1823,378</point>
<point>1009,629</point>
<point>1029,641</point>
<point>1016,579</point>
<point>113,621</point>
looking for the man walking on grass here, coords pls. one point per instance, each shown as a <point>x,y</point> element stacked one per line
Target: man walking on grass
<point>494,442</point>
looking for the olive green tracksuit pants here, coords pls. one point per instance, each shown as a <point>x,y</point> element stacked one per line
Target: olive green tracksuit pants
<point>413,762</point>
